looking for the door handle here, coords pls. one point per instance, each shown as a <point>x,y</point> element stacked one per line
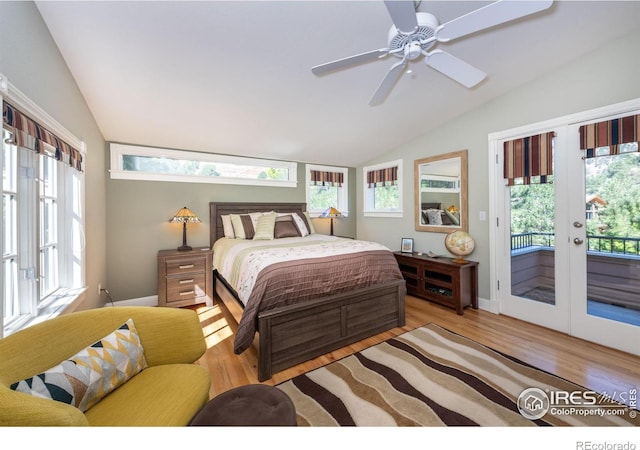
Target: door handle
<point>577,241</point>
<point>577,224</point>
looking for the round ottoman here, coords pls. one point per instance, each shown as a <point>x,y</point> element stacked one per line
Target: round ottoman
<point>248,406</point>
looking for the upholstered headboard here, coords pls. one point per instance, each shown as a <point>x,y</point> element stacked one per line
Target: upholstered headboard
<point>218,209</point>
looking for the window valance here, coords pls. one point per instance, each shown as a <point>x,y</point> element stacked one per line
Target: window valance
<point>31,135</point>
<point>610,133</point>
<point>382,176</point>
<point>323,178</point>
<point>528,157</point>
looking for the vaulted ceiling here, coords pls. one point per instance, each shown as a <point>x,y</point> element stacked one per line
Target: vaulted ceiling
<point>234,77</point>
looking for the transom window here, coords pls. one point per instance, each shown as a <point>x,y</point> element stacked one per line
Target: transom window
<point>133,162</point>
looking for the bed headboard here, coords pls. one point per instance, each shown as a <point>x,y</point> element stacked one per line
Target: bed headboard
<point>218,209</point>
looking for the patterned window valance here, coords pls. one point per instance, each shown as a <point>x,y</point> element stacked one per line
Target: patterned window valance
<point>382,176</point>
<point>320,178</point>
<point>610,133</point>
<point>529,157</point>
<point>31,135</point>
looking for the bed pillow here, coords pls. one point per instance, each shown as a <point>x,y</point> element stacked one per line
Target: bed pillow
<point>285,227</point>
<point>92,373</point>
<point>301,224</point>
<point>266,227</point>
<point>243,227</point>
<point>454,220</point>
<point>309,223</point>
<point>435,216</point>
<point>227,226</point>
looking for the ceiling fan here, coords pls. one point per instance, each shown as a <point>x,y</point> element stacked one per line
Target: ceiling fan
<point>414,33</point>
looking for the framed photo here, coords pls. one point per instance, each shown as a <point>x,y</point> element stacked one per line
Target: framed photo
<point>407,245</point>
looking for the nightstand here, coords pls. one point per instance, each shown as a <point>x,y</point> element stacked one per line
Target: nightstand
<point>185,277</point>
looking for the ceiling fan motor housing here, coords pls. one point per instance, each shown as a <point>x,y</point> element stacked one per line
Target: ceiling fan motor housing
<point>410,43</point>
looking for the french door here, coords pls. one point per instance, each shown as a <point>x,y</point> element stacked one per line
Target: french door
<point>568,249</point>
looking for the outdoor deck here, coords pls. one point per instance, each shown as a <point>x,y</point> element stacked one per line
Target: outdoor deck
<point>613,266</point>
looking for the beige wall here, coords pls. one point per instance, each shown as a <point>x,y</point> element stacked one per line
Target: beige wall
<point>30,60</point>
<point>609,75</point>
<point>137,222</point>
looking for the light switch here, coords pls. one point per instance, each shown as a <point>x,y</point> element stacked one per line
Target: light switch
<point>483,215</point>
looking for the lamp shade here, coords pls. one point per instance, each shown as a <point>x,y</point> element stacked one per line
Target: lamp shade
<point>185,215</point>
<point>331,212</point>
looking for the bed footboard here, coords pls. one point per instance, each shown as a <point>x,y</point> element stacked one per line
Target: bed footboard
<point>297,333</point>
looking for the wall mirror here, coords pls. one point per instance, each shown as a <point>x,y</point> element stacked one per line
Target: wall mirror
<point>441,193</point>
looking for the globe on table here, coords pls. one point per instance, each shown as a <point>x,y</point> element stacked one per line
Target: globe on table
<point>460,244</point>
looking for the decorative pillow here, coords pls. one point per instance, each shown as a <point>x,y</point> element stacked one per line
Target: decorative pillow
<point>92,373</point>
<point>285,227</point>
<point>307,219</point>
<point>454,220</point>
<point>435,216</point>
<point>302,224</point>
<point>227,226</point>
<point>266,227</point>
<point>243,227</point>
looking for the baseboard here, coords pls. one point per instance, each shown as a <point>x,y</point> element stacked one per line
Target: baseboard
<point>152,300</point>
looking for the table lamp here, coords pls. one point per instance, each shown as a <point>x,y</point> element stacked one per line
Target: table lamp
<point>184,216</point>
<point>331,212</point>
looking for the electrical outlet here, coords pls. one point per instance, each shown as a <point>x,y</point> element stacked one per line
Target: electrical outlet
<point>99,289</point>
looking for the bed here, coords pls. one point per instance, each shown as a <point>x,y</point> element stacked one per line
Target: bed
<point>291,327</point>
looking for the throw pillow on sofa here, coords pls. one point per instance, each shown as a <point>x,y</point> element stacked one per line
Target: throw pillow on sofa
<point>92,373</point>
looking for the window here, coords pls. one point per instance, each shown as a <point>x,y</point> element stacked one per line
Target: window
<point>131,162</point>
<point>383,189</point>
<point>327,186</point>
<point>10,229</point>
<point>42,219</point>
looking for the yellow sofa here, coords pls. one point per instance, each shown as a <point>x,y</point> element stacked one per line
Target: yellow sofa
<point>169,392</point>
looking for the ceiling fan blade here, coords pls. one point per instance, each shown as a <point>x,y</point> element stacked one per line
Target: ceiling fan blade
<point>489,16</point>
<point>387,83</point>
<point>455,68</point>
<point>350,61</point>
<point>403,14</point>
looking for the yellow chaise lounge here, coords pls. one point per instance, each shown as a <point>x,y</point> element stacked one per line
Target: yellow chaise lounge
<point>169,391</point>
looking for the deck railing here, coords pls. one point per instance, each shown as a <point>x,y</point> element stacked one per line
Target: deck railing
<point>602,244</point>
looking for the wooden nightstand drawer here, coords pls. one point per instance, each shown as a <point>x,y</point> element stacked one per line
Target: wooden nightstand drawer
<point>185,277</point>
<point>193,264</point>
<point>180,289</point>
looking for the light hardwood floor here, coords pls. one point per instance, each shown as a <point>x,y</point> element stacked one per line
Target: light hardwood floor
<point>592,366</point>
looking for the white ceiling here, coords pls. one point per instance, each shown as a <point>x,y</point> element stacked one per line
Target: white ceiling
<point>234,77</point>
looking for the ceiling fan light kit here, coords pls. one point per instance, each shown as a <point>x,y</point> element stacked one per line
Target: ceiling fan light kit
<point>412,35</point>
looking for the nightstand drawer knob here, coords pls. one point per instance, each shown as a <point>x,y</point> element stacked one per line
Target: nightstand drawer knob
<point>191,292</point>
<point>186,281</point>
<point>186,266</point>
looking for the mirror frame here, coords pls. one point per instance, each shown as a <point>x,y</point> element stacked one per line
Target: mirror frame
<point>464,207</point>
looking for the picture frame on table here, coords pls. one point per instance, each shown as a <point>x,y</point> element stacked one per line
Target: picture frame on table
<point>406,245</point>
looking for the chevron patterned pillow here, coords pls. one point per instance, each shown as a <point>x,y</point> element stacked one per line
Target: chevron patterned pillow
<point>88,376</point>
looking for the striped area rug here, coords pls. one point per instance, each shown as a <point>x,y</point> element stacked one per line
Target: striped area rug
<point>433,377</point>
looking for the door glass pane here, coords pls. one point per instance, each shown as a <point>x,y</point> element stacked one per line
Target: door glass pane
<point>612,185</point>
<point>533,242</point>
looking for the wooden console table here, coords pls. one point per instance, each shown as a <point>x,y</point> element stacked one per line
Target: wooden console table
<point>440,280</point>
